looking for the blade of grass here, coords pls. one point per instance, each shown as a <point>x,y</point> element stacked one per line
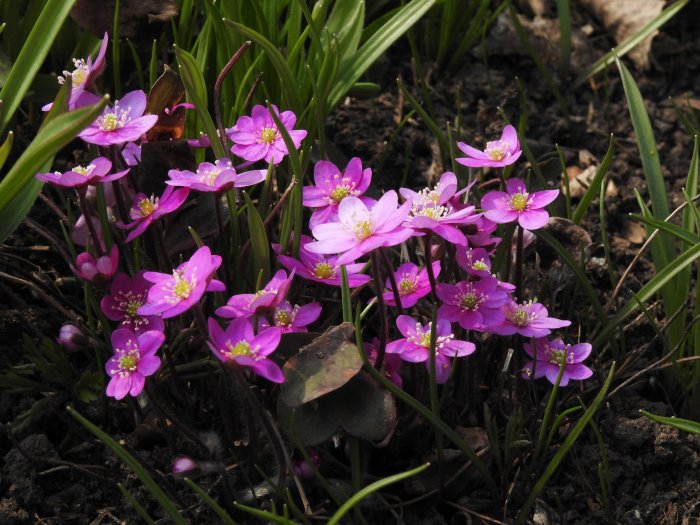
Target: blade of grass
<point>685,425</point>
<point>6,148</point>
<point>137,506</point>
<point>672,229</point>
<point>132,462</point>
<point>213,505</point>
<point>258,238</point>
<point>564,16</point>
<point>630,43</point>
<point>594,189</point>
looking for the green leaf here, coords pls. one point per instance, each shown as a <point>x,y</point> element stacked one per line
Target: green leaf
<point>685,425</point>
<point>137,506</point>
<point>32,56</point>
<point>594,188</point>
<point>19,188</point>
<point>258,239</point>
<point>213,505</point>
<point>196,89</point>
<point>6,148</point>
<point>376,46</point>
<point>672,229</point>
<point>374,487</point>
<point>132,462</point>
<point>631,42</point>
<point>265,515</point>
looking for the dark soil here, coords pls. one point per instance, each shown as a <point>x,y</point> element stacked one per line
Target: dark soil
<point>653,469</point>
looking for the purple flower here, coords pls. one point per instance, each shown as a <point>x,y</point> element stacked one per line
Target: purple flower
<point>72,337</point>
<point>361,229</point>
<point>81,176</point>
<point>173,294</point>
<point>548,356</point>
<point>97,272</point>
<point>83,76</point>
<point>412,284</point>
<point>134,359</point>
<point>127,295</point>
<point>295,318</point>
<point>320,269</point>
<point>144,210</point>
<point>479,234</point>
<point>217,177</point>
<point>125,122</point>
<point>497,154</point>
<point>517,204</point>
<point>132,154</point>
<point>183,465</point>
<point>240,345</point>
<point>332,186</point>
<point>302,467</point>
<point>261,302</point>
<point>476,305</point>
<point>431,210</point>
<point>257,137</point>
<point>392,362</point>
<point>474,261</point>
<point>527,319</point>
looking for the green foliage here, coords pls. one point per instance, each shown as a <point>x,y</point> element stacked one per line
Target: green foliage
<point>685,425</point>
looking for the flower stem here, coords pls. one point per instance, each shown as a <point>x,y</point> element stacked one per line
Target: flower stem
<point>225,251</point>
<point>548,413</point>
<point>434,399</point>
<point>384,329</point>
<point>428,254</point>
<point>392,280</point>
<point>519,265</point>
<point>85,207</point>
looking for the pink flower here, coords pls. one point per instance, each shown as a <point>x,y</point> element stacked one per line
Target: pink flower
<point>476,305</point>
<point>295,318</point>
<point>527,319</point>
<point>480,233</point>
<point>134,359</point>
<point>144,210</point>
<point>81,176</point>
<point>262,302</point>
<point>72,337</point>
<point>125,122</point>
<point>97,272</point>
<point>517,204</point>
<point>392,362</point>
<point>173,294</point>
<point>548,356</point>
<point>257,137</point>
<point>415,347</point>
<point>497,154</point>
<point>320,269</point>
<point>361,229</point>
<point>240,345</point>
<point>431,210</point>
<point>83,76</point>
<point>412,284</point>
<point>332,187</point>
<point>183,465</point>
<point>127,295</point>
<point>474,261</point>
<point>217,177</point>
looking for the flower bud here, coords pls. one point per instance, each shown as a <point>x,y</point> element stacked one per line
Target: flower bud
<point>72,337</point>
<point>183,465</point>
<point>302,467</point>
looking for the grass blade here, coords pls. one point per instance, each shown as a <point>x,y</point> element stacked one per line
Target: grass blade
<point>137,506</point>
<point>258,239</point>
<point>564,16</point>
<point>685,425</point>
<point>213,505</point>
<point>672,229</point>
<point>631,42</point>
<point>594,188</point>
<point>132,462</point>
<point>6,148</point>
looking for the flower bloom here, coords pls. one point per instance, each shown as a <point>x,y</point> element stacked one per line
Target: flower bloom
<point>125,122</point>
<point>83,76</point>
<point>144,210</point>
<point>97,272</point>
<point>127,295</point>
<point>332,186</point>
<point>475,261</point>
<point>81,176</point>
<point>173,294</point>
<point>134,359</point>
<point>240,345</point>
<point>497,154</point>
<point>257,137</point>
<point>295,318</point>
<point>527,319</point>
<point>517,204</point>
<point>316,267</point>
<point>548,356</point>
<point>412,284</point>
<point>392,362</point>
<point>361,229</point>
<point>217,177</point>
<point>476,305</point>
<point>261,302</point>
<point>432,210</point>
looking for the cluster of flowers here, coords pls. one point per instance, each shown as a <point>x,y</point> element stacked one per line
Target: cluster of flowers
<point>345,224</point>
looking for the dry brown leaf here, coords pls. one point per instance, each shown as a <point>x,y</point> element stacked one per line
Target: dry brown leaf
<point>138,19</point>
<point>634,232</point>
<point>625,18</point>
<point>580,180</point>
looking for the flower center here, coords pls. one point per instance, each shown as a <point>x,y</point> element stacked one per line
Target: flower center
<point>115,119</point>
<point>323,270</point>
<point>407,285</point>
<point>240,348</point>
<point>284,315</point>
<point>339,193</point>
<point>363,229</point>
<point>422,338</point>
<point>84,171</point>
<point>208,177</point>
<point>480,265</point>
<point>268,135</point>
<point>432,212</point>
<point>128,362</point>
<point>557,357</point>
<point>182,288</point>
<point>520,317</point>
<point>469,301</point>
<point>148,205</point>
<point>518,201</point>
<point>79,74</point>
<point>131,308</point>
<point>496,150</point>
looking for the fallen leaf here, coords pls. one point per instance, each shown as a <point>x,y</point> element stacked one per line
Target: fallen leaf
<point>580,180</point>
<point>137,18</point>
<point>625,18</point>
<point>634,232</point>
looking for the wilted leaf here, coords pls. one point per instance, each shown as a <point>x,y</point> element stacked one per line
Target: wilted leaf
<point>321,367</point>
<point>137,18</point>
<point>164,95</point>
